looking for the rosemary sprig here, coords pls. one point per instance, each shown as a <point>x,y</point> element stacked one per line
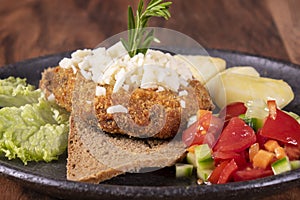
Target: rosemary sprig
<point>139,38</point>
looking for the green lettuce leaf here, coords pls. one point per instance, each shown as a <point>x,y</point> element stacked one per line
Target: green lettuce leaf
<point>16,92</point>
<point>34,132</point>
<point>31,128</point>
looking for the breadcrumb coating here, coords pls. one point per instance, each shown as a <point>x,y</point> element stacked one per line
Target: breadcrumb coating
<point>151,112</point>
<point>59,82</point>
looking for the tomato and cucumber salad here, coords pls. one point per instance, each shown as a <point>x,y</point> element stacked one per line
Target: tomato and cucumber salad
<point>243,146</point>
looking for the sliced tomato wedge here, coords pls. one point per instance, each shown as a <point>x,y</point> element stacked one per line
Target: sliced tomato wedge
<point>204,118</point>
<point>226,174</point>
<point>204,131</point>
<point>220,156</point>
<point>223,172</point>
<point>281,126</point>
<point>239,158</point>
<point>250,174</point>
<point>232,110</point>
<point>191,137</point>
<point>236,137</point>
<point>215,175</point>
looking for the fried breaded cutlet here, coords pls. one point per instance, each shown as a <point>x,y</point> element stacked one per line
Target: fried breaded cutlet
<point>60,83</point>
<point>150,112</point>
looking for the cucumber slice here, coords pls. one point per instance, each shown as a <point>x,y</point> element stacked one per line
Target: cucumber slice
<point>281,165</point>
<point>206,164</point>
<point>201,159</point>
<point>255,123</point>
<point>295,164</point>
<point>202,152</point>
<point>183,170</point>
<point>204,161</point>
<point>203,173</point>
<point>256,112</point>
<point>190,158</point>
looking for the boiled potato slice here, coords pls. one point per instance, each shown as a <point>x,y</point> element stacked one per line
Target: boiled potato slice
<point>203,67</point>
<point>246,70</point>
<point>228,87</point>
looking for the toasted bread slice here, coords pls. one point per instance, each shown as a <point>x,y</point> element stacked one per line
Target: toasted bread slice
<point>95,156</point>
<point>81,165</point>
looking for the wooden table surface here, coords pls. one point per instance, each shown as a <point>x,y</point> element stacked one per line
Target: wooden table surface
<point>32,28</point>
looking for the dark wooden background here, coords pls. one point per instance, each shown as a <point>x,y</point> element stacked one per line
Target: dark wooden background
<point>31,28</point>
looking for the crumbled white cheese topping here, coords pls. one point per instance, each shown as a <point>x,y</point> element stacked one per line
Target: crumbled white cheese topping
<point>160,89</point>
<point>66,63</point>
<point>51,97</point>
<point>182,103</point>
<point>148,71</point>
<point>191,120</point>
<point>115,67</point>
<point>116,109</point>
<point>100,91</point>
<point>183,93</point>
